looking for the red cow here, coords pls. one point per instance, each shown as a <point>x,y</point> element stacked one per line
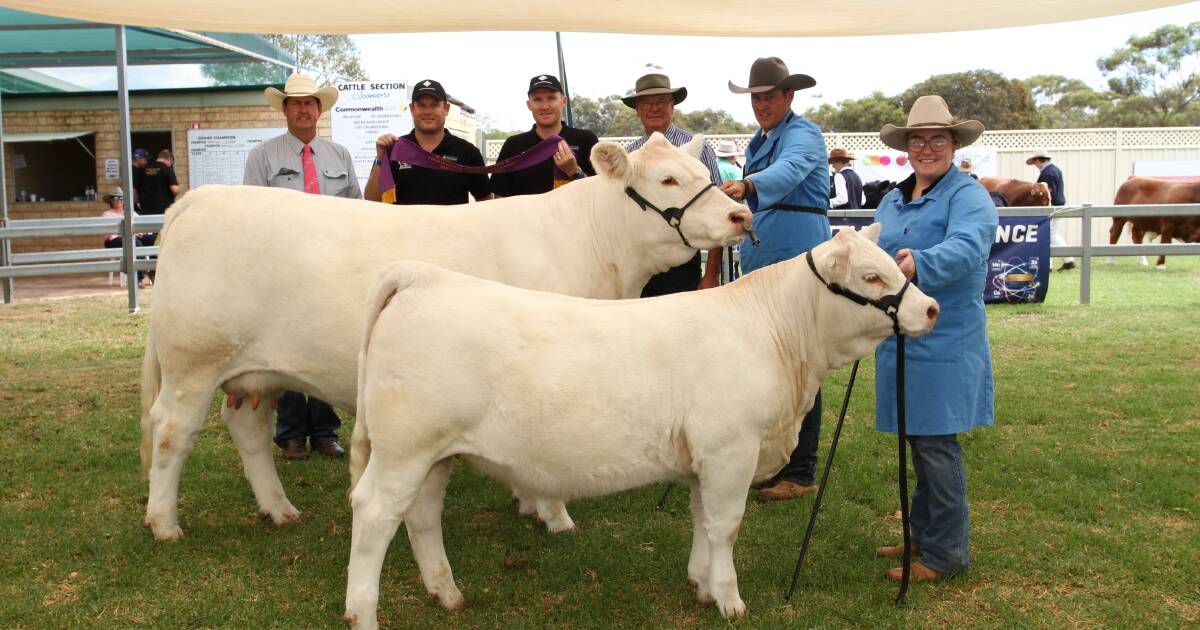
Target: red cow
<point>1018,192</point>
<point>1144,190</point>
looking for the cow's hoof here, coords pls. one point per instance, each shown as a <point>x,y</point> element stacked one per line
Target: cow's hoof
<point>558,526</point>
<point>282,516</point>
<point>164,533</point>
<point>451,600</point>
<point>733,608</point>
<point>1163,267</point>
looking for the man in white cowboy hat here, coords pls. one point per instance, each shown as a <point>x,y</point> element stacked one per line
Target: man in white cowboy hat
<point>300,160</point>
<point>1053,177</point>
<point>786,183</point>
<point>654,100</point>
<point>546,102</point>
<point>727,160</point>
<point>846,188</point>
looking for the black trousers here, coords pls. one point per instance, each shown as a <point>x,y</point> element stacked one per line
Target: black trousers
<point>300,416</point>
<point>685,277</point>
<point>802,466</point>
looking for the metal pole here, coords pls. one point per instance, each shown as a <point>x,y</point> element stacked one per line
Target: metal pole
<point>1085,259</point>
<point>562,74</point>
<point>128,244</point>
<point>5,244</point>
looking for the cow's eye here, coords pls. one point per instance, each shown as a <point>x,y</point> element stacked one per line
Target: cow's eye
<point>669,181</point>
<point>872,279</point>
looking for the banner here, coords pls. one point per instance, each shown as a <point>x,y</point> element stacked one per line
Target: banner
<point>364,111</point>
<point>893,166</point>
<point>1018,265</point>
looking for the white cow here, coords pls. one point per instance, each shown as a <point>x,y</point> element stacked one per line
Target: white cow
<point>261,290</point>
<point>571,397</point>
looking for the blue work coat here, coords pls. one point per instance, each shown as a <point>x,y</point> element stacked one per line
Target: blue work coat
<point>948,374</point>
<point>788,167</point>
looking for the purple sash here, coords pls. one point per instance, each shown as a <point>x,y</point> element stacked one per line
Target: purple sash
<point>408,152</point>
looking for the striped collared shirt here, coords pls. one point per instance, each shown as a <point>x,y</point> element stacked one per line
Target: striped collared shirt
<point>679,137</point>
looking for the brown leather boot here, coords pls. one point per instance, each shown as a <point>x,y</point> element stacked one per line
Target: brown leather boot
<point>896,551</point>
<point>295,449</point>
<point>919,573</point>
<point>785,490</point>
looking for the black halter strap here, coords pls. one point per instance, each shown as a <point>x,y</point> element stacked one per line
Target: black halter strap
<point>673,216</point>
<point>889,304</point>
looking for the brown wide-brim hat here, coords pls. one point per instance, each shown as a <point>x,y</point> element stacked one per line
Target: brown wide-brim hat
<point>770,73</point>
<point>300,84</point>
<point>840,154</point>
<point>650,84</point>
<point>931,112</point>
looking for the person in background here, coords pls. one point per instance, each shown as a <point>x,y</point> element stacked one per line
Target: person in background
<point>417,185</point>
<point>573,161</point>
<point>966,167</point>
<point>786,183</point>
<point>654,100</point>
<point>116,208</point>
<point>939,225</point>
<point>727,160</point>
<point>299,160</point>
<point>1053,178</point>
<point>846,189</point>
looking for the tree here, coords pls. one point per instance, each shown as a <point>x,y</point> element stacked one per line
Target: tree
<point>1064,103</point>
<point>1156,78</point>
<point>983,95</point>
<point>328,57</point>
<point>711,122</point>
<point>856,115</point>
<point>606,116</point>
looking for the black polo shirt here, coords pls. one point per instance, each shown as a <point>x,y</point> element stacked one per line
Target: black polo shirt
<point>417,185</point>
<point>154,188</point>
<point>539,178</point>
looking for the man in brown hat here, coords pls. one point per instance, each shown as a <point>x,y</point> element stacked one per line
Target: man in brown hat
<point>654,100</point>
<point>846,189</point>
<point>786,183</point>
<point>300,160</point>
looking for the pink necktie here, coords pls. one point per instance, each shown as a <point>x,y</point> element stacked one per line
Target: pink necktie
<point>311,184</point>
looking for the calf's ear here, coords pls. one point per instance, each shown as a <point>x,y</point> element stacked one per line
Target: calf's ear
<point>872,232</point>
<point>612,161</point>
<point>836,264</point>
<point>694,146</point>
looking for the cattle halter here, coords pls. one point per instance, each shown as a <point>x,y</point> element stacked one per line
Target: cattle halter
<point>889,304</point>
<point>674,216</point>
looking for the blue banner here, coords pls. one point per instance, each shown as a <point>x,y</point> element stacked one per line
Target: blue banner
<point>1018,265</point>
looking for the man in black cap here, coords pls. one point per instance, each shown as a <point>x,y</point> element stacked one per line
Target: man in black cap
<point>417,185</point>
<point>572,161</point>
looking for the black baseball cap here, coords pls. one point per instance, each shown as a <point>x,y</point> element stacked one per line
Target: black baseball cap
<point>429,87</point>
<point>545,82</point>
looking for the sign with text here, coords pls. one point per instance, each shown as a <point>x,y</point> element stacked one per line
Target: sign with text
<point>364,111</point>
<point>1018,265</point>
<point>218,156</point>
<point>112,168</point>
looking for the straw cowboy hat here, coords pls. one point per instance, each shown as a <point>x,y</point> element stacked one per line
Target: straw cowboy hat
<point>727,148</point>
<point>931,112</point>
<point>300,84</point>
<point>1039,153</point>
<point>117,193</point>
<point>769,73</point>
<point>650,84</point>
<point>840,154</point>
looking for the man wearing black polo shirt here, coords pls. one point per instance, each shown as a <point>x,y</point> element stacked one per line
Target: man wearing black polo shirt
<point>572,161</point>
<point>416,185</point>
<point>156,186</point>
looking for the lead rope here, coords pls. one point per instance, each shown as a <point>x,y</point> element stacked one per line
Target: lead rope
<point>901,433</point>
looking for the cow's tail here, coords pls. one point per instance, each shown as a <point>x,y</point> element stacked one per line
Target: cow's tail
<point>151,383</point>
<point>395,278</point>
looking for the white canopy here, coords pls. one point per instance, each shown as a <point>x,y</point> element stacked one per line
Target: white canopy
<point>796,18</point>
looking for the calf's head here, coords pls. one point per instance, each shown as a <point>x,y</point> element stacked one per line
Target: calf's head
<point>853,262</point>
<point>670,195</point>
<point>1039,195</point>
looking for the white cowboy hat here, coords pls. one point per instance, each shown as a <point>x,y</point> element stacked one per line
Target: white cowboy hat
<point>1038,153</point>
<point>300,84</point>
<point>931,112</point>
<point>727,148</point>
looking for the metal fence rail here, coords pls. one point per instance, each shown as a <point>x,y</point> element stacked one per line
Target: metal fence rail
<point>102,260</point>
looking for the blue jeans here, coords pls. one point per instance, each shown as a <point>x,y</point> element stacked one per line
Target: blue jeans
<point>802,466</point>
<point>939,502</point>
<point>300,416</point>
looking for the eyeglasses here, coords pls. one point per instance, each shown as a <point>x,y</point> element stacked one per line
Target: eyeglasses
<point>916,145</point>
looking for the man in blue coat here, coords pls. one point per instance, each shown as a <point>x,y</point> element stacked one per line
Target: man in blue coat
<point>1052,176</point>
<point>786,183</point>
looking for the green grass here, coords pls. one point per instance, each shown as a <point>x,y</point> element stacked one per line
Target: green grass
<point>1085,498</point>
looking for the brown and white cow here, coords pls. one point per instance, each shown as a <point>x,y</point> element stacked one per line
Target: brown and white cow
<point>261,290</point>
<point>1146,190</point>
<point>571,397</point>
<point>1018,192</point>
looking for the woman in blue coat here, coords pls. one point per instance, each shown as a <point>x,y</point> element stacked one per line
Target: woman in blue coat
<point>939,225</point>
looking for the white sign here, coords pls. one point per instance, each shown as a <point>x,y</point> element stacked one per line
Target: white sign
<point>1173,170</point>
<point>364,111</point>
<point>892,165</point>
<point>218,156</point>
<point>112,168</point>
